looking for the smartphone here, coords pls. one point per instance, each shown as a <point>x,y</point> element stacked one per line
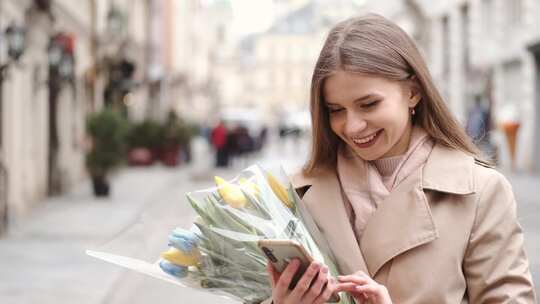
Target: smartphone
<point>281,252</point>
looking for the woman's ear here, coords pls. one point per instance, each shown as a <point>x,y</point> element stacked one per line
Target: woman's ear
<point>415,94</point>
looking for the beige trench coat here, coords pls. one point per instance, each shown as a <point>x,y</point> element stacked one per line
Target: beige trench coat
<point>447,234</point>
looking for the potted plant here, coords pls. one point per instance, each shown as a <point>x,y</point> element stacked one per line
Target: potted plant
<point>106,130</point>
<point>144,140</point>
<point>176,137</point>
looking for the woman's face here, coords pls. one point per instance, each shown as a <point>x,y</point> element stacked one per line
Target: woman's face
<point>371,114</point>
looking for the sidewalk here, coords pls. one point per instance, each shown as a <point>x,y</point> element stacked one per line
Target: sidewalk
<point>525,185</point>
<point>43,257</point>
<point>527,192</point>
<point>43,260</point>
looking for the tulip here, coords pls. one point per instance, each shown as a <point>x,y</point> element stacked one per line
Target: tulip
<point>230,193</point>
<point>184,240</point>
<point>279,190</point>
<point>181,258</point>
<point>173,269</point>
<point>249,186</point>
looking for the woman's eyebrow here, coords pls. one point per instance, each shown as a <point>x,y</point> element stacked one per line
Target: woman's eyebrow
<point>363,98</point>
<point>366,97</point>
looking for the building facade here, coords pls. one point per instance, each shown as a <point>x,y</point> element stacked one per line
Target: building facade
<point>143,58</point>
<point>62,76</point>
<point>274,68</point>
<point>489,48</point>
<point>276,65</point>
<point>41,117</point>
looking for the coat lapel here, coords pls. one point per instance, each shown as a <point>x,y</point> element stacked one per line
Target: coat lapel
<point>402,221</point>
<point>325,203</point>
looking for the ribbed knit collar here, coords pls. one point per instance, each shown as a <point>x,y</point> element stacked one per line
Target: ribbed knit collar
<point>387,166</point>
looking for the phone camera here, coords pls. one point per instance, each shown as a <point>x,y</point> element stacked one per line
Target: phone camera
<point>269,254</point>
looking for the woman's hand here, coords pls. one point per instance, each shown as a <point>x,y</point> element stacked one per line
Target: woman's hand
<point>363,288</point>
<point>305,292</point>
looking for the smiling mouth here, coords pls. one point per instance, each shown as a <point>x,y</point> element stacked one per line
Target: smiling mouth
<point>366,141</point>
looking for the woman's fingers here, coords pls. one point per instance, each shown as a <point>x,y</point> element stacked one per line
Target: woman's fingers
<point>349,287</point>
<point>282,287</point>
<point>305,281</point>
<point>327,293</point>
<point>317,286</point>
<point>274,275</point>
<point>358,279</point>
<point>375,291</point>
<point>369,289</point>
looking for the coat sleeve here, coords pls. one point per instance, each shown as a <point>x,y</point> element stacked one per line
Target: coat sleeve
<point>495,264</point>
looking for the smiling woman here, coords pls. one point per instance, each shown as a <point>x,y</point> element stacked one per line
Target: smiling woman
<point>401,194</point>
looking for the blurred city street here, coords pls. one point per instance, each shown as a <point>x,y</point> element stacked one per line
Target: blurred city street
<point>111,110</point>
<point>43,258</point>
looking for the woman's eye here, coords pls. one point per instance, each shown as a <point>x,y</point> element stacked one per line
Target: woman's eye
<point>370,105</point>
<point>334,110</point>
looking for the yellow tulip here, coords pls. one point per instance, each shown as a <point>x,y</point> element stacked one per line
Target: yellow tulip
<point>178,257</point>
<point>230,193</point>
<point>251,187</point>
<point>279,190</point>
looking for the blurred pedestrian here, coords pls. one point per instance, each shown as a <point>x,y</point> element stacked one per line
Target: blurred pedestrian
<point>244,140</point>
<point>477,120</point>
<point>261,139</point>
<point>219,142</point>
<point>478,128</point>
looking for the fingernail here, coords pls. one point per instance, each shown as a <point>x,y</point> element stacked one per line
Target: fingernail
<point>340,278</point>
<point>325,269</point>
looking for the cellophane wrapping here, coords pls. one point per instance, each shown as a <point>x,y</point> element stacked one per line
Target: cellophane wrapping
<point>219,253</point>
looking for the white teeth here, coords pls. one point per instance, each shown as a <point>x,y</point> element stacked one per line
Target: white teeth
<point>365,139</point>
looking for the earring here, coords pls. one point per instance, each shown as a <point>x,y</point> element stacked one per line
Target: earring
<point>413,112</point>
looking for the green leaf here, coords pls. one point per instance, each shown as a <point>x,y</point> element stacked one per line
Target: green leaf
<point>201,211</point>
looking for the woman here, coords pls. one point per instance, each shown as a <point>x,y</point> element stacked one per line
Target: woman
<point>402,196</point>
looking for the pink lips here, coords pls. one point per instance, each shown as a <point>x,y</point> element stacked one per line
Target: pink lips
<point>369,143</point>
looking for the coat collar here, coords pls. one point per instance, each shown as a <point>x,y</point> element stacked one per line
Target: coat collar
<point>402,222</point>
<point>450,171</point>
<point>446,170</point>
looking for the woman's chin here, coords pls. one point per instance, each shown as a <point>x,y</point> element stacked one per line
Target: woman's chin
<point>368,155</point>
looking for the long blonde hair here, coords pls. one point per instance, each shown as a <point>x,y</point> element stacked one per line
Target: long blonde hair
<point>373,45</point>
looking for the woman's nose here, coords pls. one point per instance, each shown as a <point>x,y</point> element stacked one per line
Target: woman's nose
<point>355,124</point>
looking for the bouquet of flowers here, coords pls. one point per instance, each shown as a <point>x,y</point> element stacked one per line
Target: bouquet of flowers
<point>220,253</point>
